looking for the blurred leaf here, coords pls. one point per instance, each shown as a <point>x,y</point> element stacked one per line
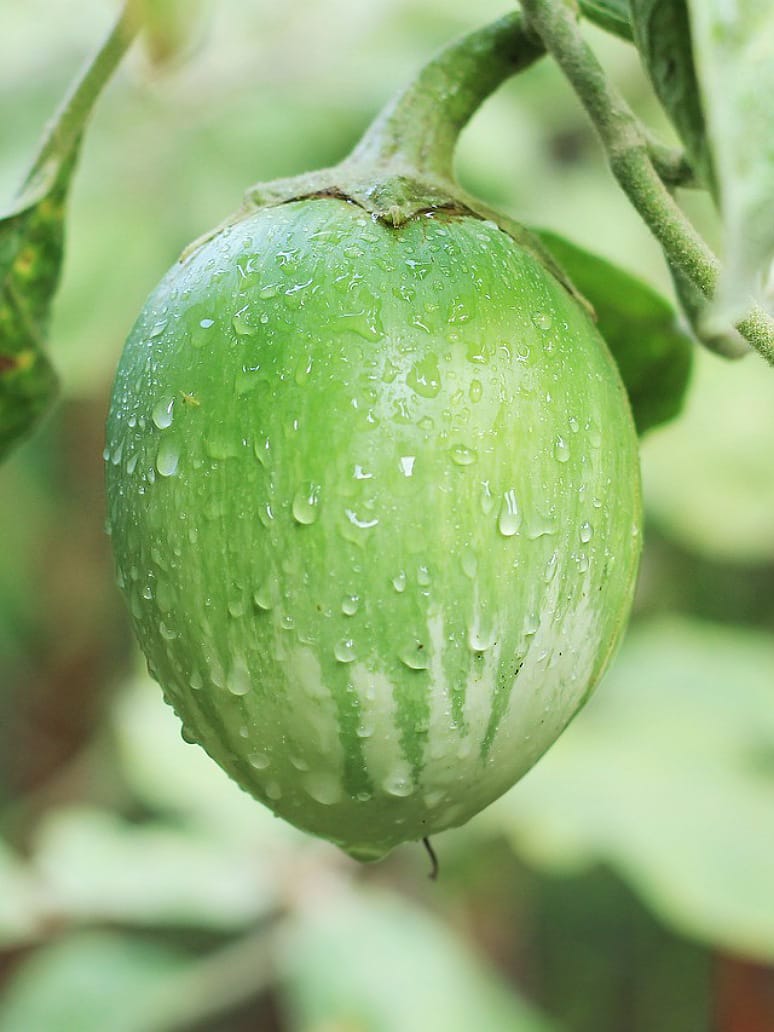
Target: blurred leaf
<point>662,32</point>
<point>653,354</point>
<point>19,905</point>
<point>88,982</point>
<point>93,866</point>
<point>370,962</point>
<point>169,26</point>
<point>734,51</point>
<point>168,774</point>
<point>31,248</point>
<point>612,15</point>
<point>668,777</point>
<point>708,477</point>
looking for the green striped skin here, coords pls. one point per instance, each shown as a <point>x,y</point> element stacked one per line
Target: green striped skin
<point>374,501</point>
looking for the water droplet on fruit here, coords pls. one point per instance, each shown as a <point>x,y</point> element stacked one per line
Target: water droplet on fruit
<point>350,605</point>
<point>586,532</point>
<point>344,650</point>
<point>487,500</point>
<point>561,449</point>
<point>542,320</point>
<point>462,455</point>
<point>509,520</point>
<point>167,458</point>
<point>406,464</point>
<point>423,576</point>
<point>424,377</point>
<point>162,412</point>
<point>476,390</point>
<point>259,760</point>
<point>324,788</point>
<point>550,571</point>
<point>238,681</point>
<point>158,328</point>
<point>414,655</point>
<point>398,782</point>
<point>399,581</point>
<point>306,504</point>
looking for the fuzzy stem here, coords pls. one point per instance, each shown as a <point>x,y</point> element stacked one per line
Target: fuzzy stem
<point>418,129</point>
<point>630,159</point>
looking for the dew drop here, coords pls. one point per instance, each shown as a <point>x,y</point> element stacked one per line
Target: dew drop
<point>550,571</point>
<point>344,650</point>
<point>487,500</point>
<point>406,464</point>
<point>542,320</point>
<point>350,605</point>
<point>206,323</point>
<point>398,783</point>
<point>424,377</point>
<point>423,576</point>
<point>399,581</point>
<point>324,788</point>
<point>306,504</point>
<point>167,458</point>
<point>259,760</point>
<point>238,681</point>
<point>476,390</point>
<point>586,532</point>
<point>162,412</point>
<point>561,449</point>
<point>462,455</point>
<point>414,655</point>
<point>509,519</point>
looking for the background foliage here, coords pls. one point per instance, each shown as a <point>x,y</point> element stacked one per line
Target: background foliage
<point>627,881</point>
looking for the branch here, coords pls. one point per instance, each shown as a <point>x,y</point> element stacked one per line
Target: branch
<point>631,160</point>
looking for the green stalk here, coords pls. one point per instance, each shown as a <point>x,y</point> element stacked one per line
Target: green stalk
<point>419,128</point>
<point>631,160</point>
<point>63,132</point>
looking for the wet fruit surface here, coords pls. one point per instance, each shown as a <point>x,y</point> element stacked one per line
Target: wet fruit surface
<point>374,500</point>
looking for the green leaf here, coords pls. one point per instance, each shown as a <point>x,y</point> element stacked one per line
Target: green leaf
<point>668,777</point>
<point>612,15</point>
<point>708,477</point>
<point>93,866</point>
<point>370,961</point>
<point>31,244</point>
<point>19,903</point>
<point>653,353</point>
<point>662,32</point>
<point>734,51</point>
<point>169,26</point>
<point>90,982</point>
<point>31,248</point>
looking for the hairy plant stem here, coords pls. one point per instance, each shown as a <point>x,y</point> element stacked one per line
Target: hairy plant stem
<point>632,161</point>
<point>63,132</point>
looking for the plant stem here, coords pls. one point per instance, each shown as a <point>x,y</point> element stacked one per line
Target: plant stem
<point>419,128</point>
<point>631,161</point>
<point>64,130</point>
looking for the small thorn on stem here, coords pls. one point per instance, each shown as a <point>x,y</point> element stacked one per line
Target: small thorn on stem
<point>433,876</point>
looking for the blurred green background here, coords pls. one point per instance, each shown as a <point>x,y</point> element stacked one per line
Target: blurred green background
<point>628,882</point>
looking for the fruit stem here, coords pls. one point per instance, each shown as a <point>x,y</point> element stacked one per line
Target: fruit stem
<point>631,159</point>
<point>417,131</point>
